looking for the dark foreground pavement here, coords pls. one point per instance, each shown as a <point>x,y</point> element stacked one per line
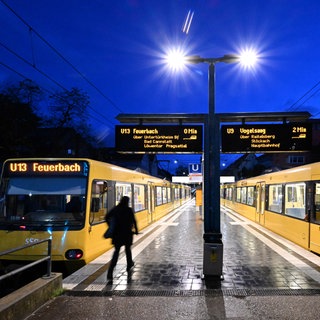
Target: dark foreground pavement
<point>176,308</point>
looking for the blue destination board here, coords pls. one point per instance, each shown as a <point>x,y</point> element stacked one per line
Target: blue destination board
<point>261,138</point>
<point>159,138</point>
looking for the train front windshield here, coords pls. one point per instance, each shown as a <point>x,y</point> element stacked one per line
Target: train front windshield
<point>40,202</point>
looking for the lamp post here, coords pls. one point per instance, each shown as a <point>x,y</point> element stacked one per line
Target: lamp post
<point>213,247</point>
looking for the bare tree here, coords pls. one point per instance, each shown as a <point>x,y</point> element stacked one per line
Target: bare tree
<point>69,108</point>
<point>26,91</point>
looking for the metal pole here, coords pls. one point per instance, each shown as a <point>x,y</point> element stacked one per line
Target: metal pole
<point>49,264</point>
<point>213,248</point>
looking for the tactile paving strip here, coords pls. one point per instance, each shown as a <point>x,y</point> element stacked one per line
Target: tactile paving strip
<point>196,293</point>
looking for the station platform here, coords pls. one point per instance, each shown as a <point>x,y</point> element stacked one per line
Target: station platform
<point>264,276</point>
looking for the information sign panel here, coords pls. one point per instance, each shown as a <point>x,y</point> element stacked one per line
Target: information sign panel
<point>261,138</point>
<point>159,138</point>
<point>195,169</point>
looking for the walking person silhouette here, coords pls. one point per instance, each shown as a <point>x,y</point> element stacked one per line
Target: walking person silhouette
<point>124,221</point>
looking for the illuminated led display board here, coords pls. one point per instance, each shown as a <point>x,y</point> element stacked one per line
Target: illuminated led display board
<point>46,168</point>
<point>292,137</point>
<point>159,138</point>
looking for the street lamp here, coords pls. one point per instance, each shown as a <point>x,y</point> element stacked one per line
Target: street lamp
<point>227,58</point>
<point>213,247</point>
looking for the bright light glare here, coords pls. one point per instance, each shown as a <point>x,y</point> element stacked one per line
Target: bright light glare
<point>248,58</point>
<point>175,59</point>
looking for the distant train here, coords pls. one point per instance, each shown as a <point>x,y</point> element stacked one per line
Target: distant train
<point>67,200</point>
<point>286,202</point>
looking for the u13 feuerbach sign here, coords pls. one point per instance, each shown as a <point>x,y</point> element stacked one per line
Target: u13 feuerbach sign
<point>159,138</point>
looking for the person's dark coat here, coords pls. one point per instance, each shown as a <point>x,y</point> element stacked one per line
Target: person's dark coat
<point>124,224</point>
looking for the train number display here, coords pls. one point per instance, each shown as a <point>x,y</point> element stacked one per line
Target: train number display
<point>61,167</point>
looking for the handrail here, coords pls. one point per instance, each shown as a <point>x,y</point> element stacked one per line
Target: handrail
<point>29,265</point>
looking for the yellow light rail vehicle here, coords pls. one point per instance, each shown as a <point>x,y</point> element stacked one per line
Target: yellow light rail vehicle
<point>67,200</point>
<point>286,202</point>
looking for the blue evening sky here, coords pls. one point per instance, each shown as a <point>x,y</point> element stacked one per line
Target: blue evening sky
<point>114,50</point>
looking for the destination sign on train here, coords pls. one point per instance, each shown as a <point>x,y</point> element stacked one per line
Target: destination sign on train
<point>159,138</point>
<point>63,167</point>
<point>292,137</point>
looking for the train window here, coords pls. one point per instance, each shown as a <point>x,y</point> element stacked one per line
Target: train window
<point>164,195</point>
<point>43,202</point>
<point>250,196</point>
<point>275,198</point>
<point>238,194</point>
<point>99,201</point>
<point>159,196</point>
<point>139,197</point>
<point>316,217</point>
<point>169,194</point>
<point>222,193</point>
<point>296,160</point>
<point>229,194</point>
<point>243,195</point>
<point>123,189</point>
<point>295,194</point>
<point>184,192</point>
<point>176,193</point>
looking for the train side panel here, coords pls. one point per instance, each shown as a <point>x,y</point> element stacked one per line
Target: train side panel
<point>61,242</point>
<point>315,238</point>
<point>246,211</point>
<point>292,229</point>
<point>142,219</point>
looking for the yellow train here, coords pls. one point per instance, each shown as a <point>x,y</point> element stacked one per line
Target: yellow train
<point>286,202</point>
<point>67,200</point>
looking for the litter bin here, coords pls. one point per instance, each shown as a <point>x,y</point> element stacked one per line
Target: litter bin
<point>212,259</point>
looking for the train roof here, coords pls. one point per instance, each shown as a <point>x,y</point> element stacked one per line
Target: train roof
<point>301,173</point>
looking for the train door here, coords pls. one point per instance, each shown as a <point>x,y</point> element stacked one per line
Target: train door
<point>260,202</point>
<point>314,209</point>
<point>151,205</point>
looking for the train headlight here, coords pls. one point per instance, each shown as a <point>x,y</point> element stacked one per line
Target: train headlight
<point>74,254</point>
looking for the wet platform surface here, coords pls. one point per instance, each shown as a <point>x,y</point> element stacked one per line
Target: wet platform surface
<point>169,256</point>
<point>265,277</point>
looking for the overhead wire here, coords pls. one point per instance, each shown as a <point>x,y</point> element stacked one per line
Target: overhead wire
<point>32,30</point>
<point>50,92</point>
<point>45,75</point>
<point>13,70</point>
<point>32,65</point>
<point>312,95</point>
<point>304,95</point>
